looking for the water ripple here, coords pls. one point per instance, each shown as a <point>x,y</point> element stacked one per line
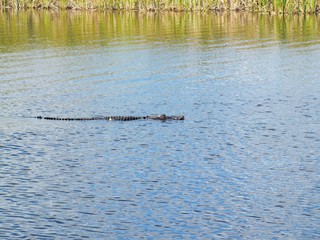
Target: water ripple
<point>233,169</point>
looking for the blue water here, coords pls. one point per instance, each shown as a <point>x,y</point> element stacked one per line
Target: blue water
<point>245,163</point>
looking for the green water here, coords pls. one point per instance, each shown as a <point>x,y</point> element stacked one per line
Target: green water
<point>25,29</point>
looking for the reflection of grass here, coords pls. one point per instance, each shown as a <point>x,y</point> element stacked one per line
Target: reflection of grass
<point>279,6</point>
<point>63,28</point>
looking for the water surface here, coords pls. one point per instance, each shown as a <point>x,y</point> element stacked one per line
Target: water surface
<point>243,165</point>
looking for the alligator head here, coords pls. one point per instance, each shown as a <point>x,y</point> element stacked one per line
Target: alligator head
<point>164,117</point>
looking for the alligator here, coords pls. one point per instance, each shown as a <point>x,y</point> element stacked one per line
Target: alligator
<point>161,117</point>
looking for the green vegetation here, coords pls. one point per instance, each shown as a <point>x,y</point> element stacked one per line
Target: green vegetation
<point>265,6</point>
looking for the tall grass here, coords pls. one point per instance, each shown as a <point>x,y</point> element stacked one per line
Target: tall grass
<point>266,6</point>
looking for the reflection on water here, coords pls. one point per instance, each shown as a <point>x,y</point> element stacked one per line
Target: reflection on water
<point>27,29</point>
<point>243,165</point>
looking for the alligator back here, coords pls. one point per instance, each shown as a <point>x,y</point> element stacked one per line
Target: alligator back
<point>161,117</point>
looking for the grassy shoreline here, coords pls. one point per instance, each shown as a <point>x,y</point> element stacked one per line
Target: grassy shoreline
<point>259,6</point>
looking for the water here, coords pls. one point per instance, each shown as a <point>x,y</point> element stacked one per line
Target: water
<point>243,165</point>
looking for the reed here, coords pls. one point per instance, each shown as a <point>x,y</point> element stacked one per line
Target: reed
<point>264,6</point>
